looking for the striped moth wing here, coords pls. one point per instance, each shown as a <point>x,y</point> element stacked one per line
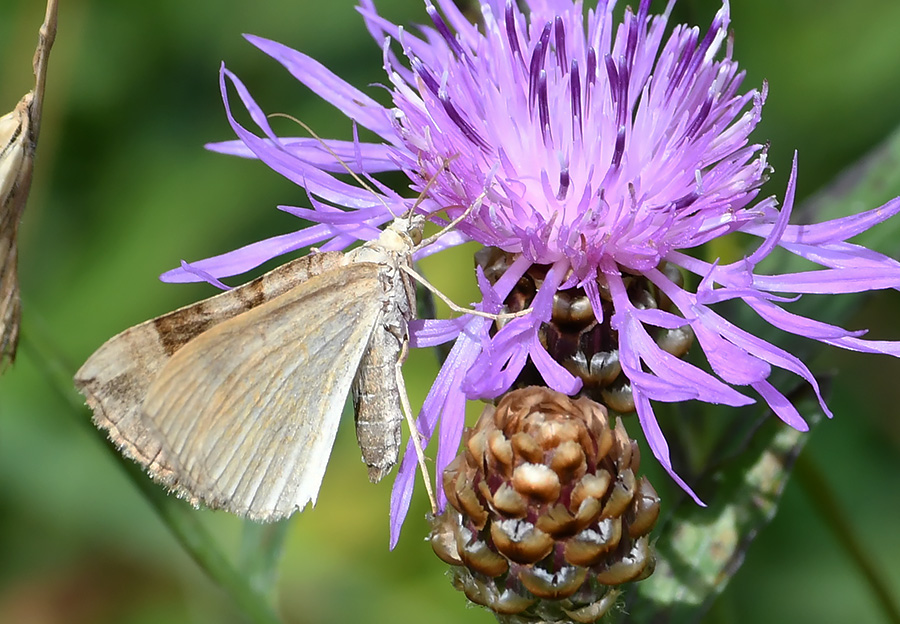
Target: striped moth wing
<point>235,401</point>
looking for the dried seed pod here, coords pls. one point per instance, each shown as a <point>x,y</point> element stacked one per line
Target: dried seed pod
<point>19,130</point>
<point>546,511</point>
<point>574,338</point>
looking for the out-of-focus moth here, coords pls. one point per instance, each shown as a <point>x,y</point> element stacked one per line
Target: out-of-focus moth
<point>234,401</point>
<point>19,131</point>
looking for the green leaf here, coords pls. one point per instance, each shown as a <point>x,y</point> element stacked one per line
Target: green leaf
<point>700,549</point>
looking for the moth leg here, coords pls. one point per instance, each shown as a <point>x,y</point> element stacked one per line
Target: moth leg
<point>413,429</point>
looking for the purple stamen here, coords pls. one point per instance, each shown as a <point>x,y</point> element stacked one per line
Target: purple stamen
<point>537,63</point>
<point>428,80</point>
<point>700,117</point>
<point>534,72</point>
<point>544,108</point>
<point>444,31</point>
<point>561,43</point>
<point>575,90</point>
<point>620,148</point>
<point>512,35</point>
<point>461,123</point>
<point>591,73</point>
<point>563,184</point>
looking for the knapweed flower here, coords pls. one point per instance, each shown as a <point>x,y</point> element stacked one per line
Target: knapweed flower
<point>601,149</point>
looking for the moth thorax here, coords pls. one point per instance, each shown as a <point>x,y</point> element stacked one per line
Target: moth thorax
<point>546,513</point>
<point>393,241</point>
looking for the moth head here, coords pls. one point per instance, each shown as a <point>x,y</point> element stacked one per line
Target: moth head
<point>404,232</point>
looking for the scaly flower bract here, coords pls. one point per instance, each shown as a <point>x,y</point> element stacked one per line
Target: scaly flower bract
<point>602,149</point>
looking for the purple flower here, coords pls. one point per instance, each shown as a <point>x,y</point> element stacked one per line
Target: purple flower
<point>603,149</point>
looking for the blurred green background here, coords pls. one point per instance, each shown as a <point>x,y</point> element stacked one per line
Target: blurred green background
<point>123,190</point>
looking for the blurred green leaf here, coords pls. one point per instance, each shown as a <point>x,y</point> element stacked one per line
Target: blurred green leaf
<point>699,549</point>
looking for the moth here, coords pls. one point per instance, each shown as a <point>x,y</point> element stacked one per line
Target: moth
<point>234,401</point>
<point>19,131</point>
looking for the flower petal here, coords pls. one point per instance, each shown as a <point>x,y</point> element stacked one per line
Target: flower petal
<point>351,101</point>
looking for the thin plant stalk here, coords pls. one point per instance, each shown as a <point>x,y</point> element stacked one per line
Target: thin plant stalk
<point>175,514</point>
<point>822,496</point>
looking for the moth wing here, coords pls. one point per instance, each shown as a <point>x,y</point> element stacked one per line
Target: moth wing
<point>116,378</point>
<point>248,411</point>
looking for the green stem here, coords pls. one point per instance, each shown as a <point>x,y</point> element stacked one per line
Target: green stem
<point>197,541</point>
<point>261,548</point>
<point>823,499</point>
<point>175,514</point>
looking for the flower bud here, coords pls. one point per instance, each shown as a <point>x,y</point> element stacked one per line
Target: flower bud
<point>546,514</point>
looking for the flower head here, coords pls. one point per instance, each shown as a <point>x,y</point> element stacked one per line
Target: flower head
<point>600,149</point>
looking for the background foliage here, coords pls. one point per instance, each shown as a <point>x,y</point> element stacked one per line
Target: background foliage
<point>123,190</point>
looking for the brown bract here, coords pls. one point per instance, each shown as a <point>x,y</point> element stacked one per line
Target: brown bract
<point>546,511</point>
<point>19,131</point>
<point>573,337</point>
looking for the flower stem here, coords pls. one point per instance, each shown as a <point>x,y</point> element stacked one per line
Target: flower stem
<point>823,499</point>
<point>181,520</point>
<point>261,548</point>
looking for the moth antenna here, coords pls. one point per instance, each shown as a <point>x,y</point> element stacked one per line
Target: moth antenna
<point>434,290</point>
<point>422,195</point>
<point>462,217</point>
<point>359,180</point>
<point>504,316</point>
<point>445,166</point>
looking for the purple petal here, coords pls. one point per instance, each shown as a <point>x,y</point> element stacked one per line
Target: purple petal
<point>830,281</point>
<point>247,257</point>
<point>657,442</point>
<point>774,237</point>
<point>552,372</point>
<point>313,179</point>
<point>780,404</point>
<point>203,276</point>
<point>328,154</point>
<point>834,230</point>
<point>323,82</point>
<point>887,347</point>
<point>799,325</point>
<point>432,332</point>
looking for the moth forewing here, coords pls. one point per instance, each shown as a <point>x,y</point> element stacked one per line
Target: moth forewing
<point>117,377</point>
<point>235,401</point>
<point>250,408</point>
